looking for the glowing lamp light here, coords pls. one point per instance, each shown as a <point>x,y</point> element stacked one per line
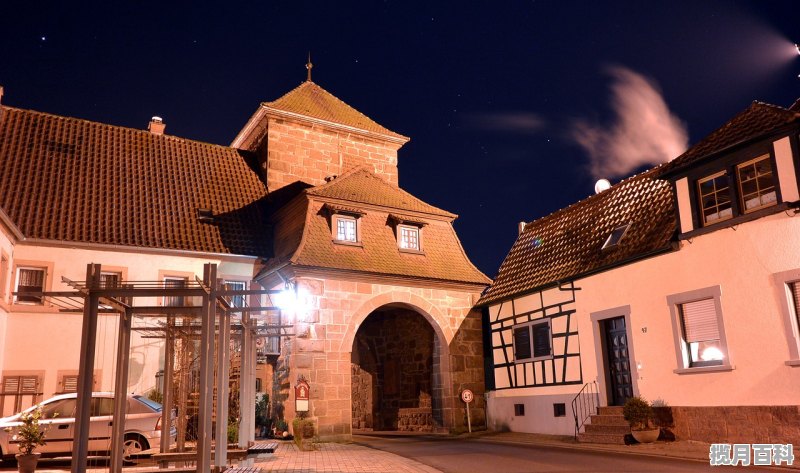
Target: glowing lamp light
<point>292,300</point>
<point>712,354</point>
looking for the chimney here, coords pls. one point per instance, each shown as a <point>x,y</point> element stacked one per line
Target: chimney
<point>521,227</point>
<point>1,95</point>
<point>156,126</point>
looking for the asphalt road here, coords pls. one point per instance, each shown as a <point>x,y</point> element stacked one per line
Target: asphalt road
<point>477,456</point>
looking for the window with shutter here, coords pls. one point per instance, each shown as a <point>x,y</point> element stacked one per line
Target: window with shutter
<point>19,392</point>
<point>701,332</point>
<point>70,384</point>
<point>30,283</point>
<point>533,341</point>
<point>541,340</point>
<point>522,343</point>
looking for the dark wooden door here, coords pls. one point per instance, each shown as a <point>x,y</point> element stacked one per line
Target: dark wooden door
<point>618,361</point>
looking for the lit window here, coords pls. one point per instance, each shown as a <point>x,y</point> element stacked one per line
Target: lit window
<point>699,333</point>
<point>346,229</point>
<point>30,285</point>
<point>715,198</point>
<point>409,238</point>
<point>532,341</point>
<point>616,236</point>
<point>756,184</point>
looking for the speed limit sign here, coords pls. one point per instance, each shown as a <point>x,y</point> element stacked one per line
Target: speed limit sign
<point>467,397</point>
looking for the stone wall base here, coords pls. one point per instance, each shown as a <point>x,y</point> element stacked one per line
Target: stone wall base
<point>735,424</point>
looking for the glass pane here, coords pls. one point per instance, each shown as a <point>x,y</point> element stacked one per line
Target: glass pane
<point>64,409</point>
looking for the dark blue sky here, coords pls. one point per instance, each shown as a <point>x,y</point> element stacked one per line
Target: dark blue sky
<point>491,93</point>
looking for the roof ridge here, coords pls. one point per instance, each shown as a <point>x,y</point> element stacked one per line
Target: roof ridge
<point>318,190</point>
<point>596,196</point>
<point>109,125</point>
<point>779,107</point>
<point>360,122</point>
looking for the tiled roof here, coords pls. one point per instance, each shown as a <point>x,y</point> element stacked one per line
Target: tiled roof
<point>308,228</point>
<point>311,100</point>
<point>568,243</point>
<point>74,180</point>
<point>756,120</point>
<point>359,185</point>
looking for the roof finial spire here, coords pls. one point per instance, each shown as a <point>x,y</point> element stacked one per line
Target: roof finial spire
<point>308,67</point>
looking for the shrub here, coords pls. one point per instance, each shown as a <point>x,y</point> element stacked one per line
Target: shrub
<point>233,431</point>
<point>638,413</point>
<point>303,429</point>
<point>29,434</point>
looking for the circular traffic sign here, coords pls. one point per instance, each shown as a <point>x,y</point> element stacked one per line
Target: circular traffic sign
<point>467,396</point>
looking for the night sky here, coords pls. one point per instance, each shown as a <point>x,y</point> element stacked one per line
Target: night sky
<point>514,108</point>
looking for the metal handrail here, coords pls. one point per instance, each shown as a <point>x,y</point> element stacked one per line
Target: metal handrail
<point>585,404</point>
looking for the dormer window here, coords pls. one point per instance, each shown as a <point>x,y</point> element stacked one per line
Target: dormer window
<point>739,189</point>
<point>408,230</point>
<point>756,184</point>
<point>346,228</point>
<point>409,237</point>
<point>345,224</point>
<point>715,198</point>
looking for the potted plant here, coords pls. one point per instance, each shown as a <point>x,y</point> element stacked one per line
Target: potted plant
<point>639,414</point>
<point>29,436</point>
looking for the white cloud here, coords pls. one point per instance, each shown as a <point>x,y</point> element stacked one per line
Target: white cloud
<point>645,131</point>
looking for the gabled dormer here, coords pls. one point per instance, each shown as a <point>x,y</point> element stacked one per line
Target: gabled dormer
<point>746,169</point>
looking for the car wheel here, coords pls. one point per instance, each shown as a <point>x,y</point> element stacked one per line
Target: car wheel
<point>131,445</point>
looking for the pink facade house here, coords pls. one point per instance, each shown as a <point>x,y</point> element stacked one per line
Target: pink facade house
<point>680,284</point>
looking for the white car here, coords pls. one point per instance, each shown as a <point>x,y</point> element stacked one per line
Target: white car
<point>142,426</point>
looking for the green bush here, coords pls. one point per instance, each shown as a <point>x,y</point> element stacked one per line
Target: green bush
<point>29,434</point>
<point>303,429</point>
<point>155,395</point>
<point>233,431</point>
<point>638,412</point>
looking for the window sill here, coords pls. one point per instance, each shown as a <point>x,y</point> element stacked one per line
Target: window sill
<point>737,220</point>
<point>410,251</point>
<point>357,244</point>
<point>795,363</point>
<point>704,369</point>
<point>32,308</point>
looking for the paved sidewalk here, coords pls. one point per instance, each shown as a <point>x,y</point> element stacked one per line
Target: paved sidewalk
<point>338,457</point>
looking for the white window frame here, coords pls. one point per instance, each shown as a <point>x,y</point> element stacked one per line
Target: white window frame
<point>233,299</point>
<point>611,241</point>
<point>21,268</point>
<point>681,347</point>
<point>530,325</point>
<point>181,299</point>
<point>356,227</point>
<point>783,282</point>
<point>412,228</point>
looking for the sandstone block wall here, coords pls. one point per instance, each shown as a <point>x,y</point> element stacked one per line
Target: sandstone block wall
<point>737,424</point>
<point>295,150</point>
<point>333,309</point>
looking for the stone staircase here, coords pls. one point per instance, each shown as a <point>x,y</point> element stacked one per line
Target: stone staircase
<point>607,426</point>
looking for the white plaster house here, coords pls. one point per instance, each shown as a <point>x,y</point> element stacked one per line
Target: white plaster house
<point>680,284</point>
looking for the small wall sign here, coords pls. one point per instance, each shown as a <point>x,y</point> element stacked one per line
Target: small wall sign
<point>301,394</point>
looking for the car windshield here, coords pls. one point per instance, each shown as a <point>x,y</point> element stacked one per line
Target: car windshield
<point>149,403</point>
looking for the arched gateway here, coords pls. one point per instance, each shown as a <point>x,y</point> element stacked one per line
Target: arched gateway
<point>400,373</point>
<point>366,261</point>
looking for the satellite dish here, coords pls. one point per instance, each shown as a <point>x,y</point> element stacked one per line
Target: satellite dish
<point>601,185</point>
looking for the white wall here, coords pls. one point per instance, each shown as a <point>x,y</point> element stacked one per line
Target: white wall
<point>43,338</point>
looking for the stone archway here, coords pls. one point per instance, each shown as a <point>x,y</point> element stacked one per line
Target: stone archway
<point>400,371</point>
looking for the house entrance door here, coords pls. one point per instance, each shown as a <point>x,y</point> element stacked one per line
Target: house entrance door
<point>618,366</point>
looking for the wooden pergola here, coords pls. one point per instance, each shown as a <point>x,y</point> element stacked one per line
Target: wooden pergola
<point>94,298</point>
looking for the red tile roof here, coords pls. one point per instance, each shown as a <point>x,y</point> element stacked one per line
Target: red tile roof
<point>376,200</point>
<point>75,180</point>
<point>568,244</point>
<point>309,99</point>
<point>362,186</point>
<point>755,121</point>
